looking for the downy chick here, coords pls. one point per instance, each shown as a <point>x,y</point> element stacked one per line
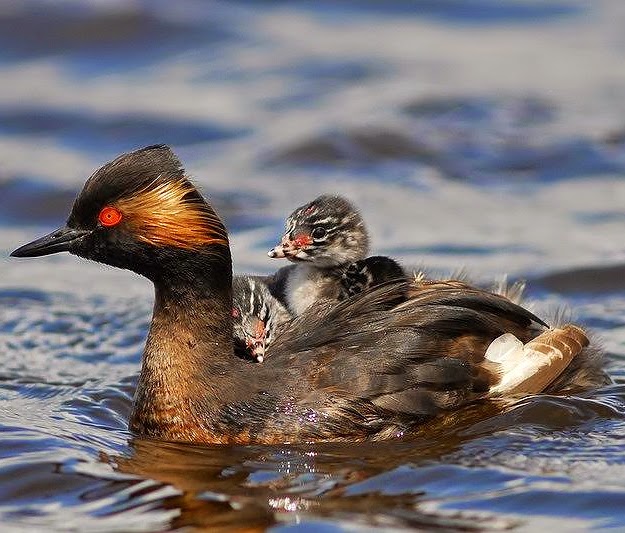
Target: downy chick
<point>256,316</point>
<point>328,241</point>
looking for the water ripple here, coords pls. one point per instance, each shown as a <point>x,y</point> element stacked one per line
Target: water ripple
<point>486,135</point>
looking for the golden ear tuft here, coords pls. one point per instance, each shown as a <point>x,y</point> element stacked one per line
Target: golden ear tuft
<point>170,213</point>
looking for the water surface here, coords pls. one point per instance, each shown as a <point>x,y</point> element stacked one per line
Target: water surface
<point>480,135</point>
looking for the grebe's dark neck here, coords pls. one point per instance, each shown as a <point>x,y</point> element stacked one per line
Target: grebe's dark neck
<point>190,341</point>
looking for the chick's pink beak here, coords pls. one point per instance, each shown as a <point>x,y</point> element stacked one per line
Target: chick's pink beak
<point>290,248</point>
<point>256,344</point>
<point>257,349</point>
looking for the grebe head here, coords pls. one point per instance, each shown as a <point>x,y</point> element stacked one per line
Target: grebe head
<point>329,231</point>
<point>137,212</point>
<point>256,316</point>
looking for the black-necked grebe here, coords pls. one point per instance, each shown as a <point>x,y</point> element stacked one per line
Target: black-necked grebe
<point>351,371</point>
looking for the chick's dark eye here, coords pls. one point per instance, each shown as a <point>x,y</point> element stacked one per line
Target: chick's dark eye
<point>318,233</point>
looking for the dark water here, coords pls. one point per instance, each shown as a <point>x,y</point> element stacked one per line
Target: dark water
<point>482,135</point>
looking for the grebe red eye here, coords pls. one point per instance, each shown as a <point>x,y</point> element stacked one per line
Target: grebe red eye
<point>110,216</point>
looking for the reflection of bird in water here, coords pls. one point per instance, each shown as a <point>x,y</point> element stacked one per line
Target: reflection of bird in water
<point>254,487</point>
<point>348,372</point>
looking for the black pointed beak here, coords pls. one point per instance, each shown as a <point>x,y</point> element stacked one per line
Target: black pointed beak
<point>57,241</point>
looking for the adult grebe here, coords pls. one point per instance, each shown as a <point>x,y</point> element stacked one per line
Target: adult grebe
<point>352,371</point>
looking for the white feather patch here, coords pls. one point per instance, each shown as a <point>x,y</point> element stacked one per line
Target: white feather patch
<point>531,367</point>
